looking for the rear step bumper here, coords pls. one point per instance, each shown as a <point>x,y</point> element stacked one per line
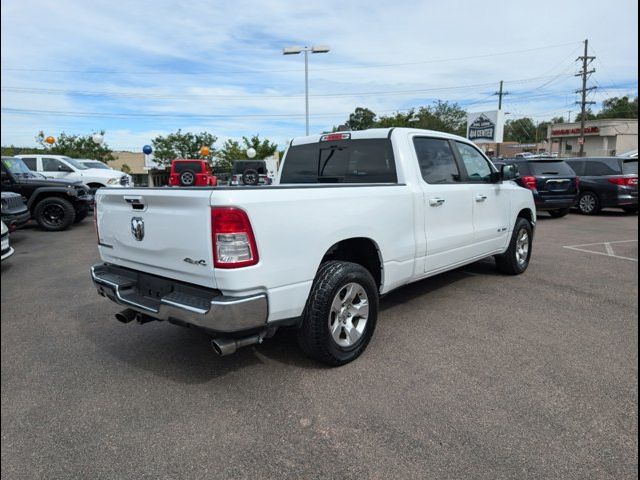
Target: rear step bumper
<point>173,300</point>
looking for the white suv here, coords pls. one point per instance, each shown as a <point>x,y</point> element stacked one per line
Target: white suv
<point>70,169</point>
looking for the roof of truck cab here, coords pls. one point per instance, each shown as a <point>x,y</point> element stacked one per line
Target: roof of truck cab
<point>377,133</point>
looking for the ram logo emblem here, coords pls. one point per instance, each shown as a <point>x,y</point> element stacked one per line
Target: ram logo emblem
<point>137,228</point>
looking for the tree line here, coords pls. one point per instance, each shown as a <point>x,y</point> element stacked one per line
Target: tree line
<point>440,115</point>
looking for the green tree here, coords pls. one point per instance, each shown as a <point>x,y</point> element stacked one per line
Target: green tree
<point>521,130</point>
<point>588,115</point>
<point>182,145</point>
<point>125,168</point>
<point>619,107</point>
<point>361,119</point>
<point>557,120</point>
<point>233,150</point>
<point>77,146</point>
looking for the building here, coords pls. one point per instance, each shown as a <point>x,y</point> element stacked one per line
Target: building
<point>133,163</point>
<point>602,138</point>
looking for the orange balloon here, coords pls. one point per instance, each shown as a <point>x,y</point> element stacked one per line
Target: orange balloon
<point>50,140</point>
<point>204,151</point>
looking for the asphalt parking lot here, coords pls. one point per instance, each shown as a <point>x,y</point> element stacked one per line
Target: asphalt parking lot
<point>469,375</point>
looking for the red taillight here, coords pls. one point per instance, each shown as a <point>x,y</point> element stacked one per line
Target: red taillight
<point>577,183</point>
<point>530,182</point>
<point>234,244</point>
<point>624,181</point>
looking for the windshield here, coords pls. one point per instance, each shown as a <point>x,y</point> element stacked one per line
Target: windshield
<point>96,164</point>
<point>75,163</point>
<point>17,167</point>
<point>630,167</point>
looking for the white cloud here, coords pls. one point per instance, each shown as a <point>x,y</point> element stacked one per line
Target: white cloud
<point>217,37</point>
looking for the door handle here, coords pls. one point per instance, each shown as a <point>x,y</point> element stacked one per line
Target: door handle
<point>481,198</point>
<point>436,202</point>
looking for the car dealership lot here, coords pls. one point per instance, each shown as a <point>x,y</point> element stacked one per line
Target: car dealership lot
<point>470,374</point>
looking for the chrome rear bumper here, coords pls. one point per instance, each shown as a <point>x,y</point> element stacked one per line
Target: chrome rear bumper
<point>166,299</point>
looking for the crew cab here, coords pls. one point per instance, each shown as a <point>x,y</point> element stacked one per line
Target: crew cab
<point>65,168</point>
<point>352,216</point>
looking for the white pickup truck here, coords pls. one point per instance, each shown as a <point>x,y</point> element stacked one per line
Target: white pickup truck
<point>352,216</point>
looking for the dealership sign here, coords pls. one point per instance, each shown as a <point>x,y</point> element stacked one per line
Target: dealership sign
<point>485,127</point>
<point>572,132</point>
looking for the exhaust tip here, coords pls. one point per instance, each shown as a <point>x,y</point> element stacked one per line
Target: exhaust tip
<point>223,346</point>
<point>126,316</point>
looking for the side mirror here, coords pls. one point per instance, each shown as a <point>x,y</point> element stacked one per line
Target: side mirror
<point>509,171</point>
<point>6,179</point>
<point>64,168</point>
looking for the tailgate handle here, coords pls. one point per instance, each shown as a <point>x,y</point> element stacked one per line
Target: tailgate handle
<point>136,202</point>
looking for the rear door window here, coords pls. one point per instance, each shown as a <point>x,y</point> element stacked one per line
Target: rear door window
<point>598,169</point>
<point>630,167</point>
<point>437,162</point>
<point>344,161</point>
<point>555,168</point>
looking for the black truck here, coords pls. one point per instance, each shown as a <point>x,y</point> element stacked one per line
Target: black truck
<point>54,204</point>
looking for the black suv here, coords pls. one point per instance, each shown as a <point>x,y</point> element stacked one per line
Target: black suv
<point>55,204</point>
<point>606,182</point>
<point>554,184</point>
<point>15,212</point>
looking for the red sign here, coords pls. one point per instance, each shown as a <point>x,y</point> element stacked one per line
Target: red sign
<point>581,140</point>
<point>559,132</point>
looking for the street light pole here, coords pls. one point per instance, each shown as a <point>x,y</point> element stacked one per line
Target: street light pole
<point>306,91</point>
<point>305,50</point>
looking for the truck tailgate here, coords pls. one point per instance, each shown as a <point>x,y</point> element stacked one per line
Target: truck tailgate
<point>164,231</point>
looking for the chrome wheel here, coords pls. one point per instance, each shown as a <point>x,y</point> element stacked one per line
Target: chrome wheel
<point>522,247</point>
<point>348,315</point>
<point>588,203</point>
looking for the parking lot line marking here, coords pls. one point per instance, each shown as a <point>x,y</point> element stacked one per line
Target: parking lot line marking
<point>608,246</point>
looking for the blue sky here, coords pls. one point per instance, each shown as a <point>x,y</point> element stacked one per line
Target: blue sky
<point>139,69</point>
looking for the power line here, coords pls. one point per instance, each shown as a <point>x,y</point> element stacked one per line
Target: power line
<point>249,71</point>
<point>124,94</point>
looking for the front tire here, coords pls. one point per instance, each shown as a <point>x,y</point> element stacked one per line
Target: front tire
<point>340,315</point>
<point>54,214</point>
<point>515,260</point>
<point>563,212</point>
<point>589,204</point>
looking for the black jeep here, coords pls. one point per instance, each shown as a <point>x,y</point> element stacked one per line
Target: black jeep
<point>54,204</point>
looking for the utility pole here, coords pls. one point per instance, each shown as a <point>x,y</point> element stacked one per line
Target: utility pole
<point>500,93</point>
<point>584,73</point>
<point>568,116</point>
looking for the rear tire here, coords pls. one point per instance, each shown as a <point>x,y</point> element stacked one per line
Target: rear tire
<point>340,315</point>
<point>563,212</point>
<point>54,214</point>
<point>589,204</point>
<point>516,259</point>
